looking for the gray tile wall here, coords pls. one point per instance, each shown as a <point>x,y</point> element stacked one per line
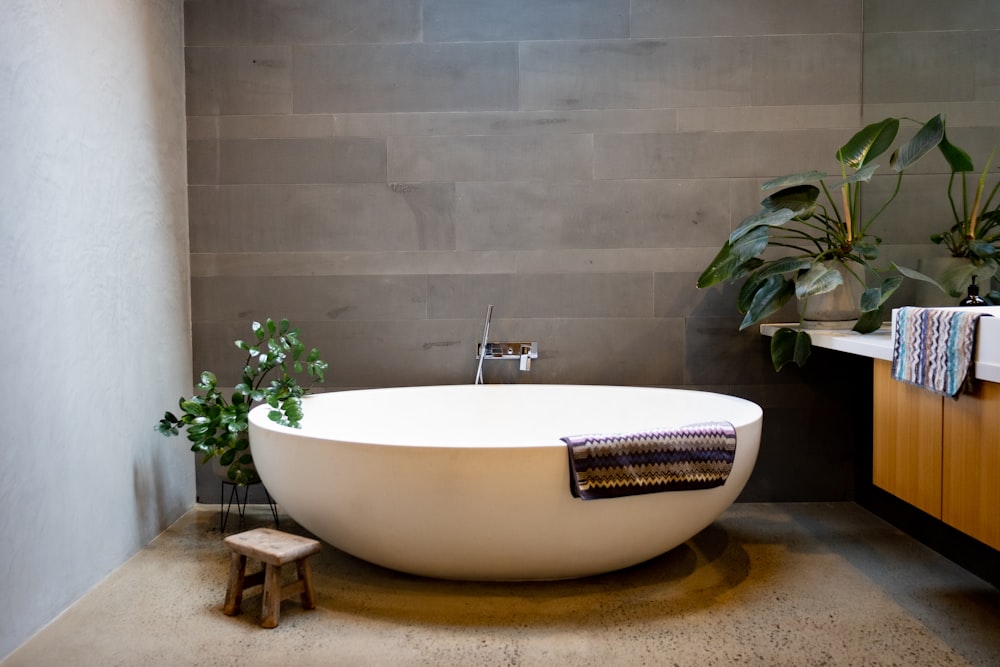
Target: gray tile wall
<point>381,170</point>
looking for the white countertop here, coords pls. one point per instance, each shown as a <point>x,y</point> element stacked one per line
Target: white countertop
<point>878,344</point>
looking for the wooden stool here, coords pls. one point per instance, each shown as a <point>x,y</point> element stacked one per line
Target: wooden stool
<point>273,549</point>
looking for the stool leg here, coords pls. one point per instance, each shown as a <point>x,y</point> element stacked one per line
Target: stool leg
<point>308,597</point>
<point>234,591</point>
<point>271,607</point>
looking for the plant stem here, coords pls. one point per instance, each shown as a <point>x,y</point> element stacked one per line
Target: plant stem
<point>899,182</point>
<point>845,192</point>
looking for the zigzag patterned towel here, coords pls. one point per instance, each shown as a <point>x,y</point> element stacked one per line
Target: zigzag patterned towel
<point>698,456</point>
<point>933,347</point>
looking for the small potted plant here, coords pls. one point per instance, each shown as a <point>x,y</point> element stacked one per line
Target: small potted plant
<point>973,240</point>
<point>217,428</point>
<point>823,243</point>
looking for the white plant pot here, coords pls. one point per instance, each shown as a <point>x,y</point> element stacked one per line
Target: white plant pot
<point>837,309</point>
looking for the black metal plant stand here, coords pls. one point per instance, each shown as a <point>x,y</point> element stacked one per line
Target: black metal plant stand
<point>241,505</point>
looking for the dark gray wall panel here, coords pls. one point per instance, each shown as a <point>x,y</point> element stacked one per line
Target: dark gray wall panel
<point>405,77</point>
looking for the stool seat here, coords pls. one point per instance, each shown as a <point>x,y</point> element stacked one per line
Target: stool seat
<point>273,548</point>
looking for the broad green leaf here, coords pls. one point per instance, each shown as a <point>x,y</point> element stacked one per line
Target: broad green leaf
<point>869,321</point>
<point>889,285</point>
<point>794,179</point>
<point>870,142</point>
<point>817,280</point>
<point>765,218</point>
<point>926,138</point>
<point>799,199</point>
<point>769,298</point>
<point>790,346</point>
<point>274,415</point>
<point>727,263</point>
<point>870,298</point>
<point>752,244</point>
<point>873,297</point>
<point>227,457</point>
<point>863,175</point>
<point>720,269</point>
<point>779,266</point>
<point>272,328</point>
<point>915,275</point>
<point>193,407</point>
<point>284,326</point>
<point>958,159</point>
<point>258,331</point>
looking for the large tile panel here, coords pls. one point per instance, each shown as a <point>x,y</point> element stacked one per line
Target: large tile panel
<point>919,66</point>
<point>987,67</point>
<point>309,298</point>
<point>715,154</point>
<point>916,15</point>
<point>217,22</point>
<point>247,79</point>
<point>491,158</point>
<point>515,20</point>
<point>540,295</point>
<point>695,18</point>
<point>806,69</point>
<point>338,160</point>
<point>716,352</point>
<point>610,214</point>
<point>359,217</point>
<point>405,77</point>
<point>635,74</point>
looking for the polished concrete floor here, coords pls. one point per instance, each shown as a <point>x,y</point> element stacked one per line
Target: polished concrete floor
<point>787,584</point>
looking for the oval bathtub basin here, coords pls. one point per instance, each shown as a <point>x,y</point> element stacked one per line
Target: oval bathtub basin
<point>472,481</point>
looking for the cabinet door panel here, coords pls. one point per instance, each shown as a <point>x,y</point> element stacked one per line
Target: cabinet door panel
<point>906,440</point>
<point>972,463</point>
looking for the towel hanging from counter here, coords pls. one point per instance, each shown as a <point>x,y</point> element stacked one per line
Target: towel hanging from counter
<point>933,348</point>
<point>697,456</point>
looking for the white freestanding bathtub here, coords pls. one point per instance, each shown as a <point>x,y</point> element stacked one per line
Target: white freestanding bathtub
<point>472,481</point>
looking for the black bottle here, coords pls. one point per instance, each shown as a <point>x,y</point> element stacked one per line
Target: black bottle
<point>973,298</point>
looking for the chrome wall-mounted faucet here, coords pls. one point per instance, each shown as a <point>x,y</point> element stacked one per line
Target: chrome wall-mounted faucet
<point>524,352</point>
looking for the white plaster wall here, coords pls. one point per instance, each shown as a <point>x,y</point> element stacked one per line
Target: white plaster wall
<point>94,298</point>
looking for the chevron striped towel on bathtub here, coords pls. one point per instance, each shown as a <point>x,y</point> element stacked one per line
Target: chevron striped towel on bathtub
<point>697,456</point>
<point>933,347</point>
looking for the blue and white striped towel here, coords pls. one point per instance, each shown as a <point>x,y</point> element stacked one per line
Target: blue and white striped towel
<point>933,348</point>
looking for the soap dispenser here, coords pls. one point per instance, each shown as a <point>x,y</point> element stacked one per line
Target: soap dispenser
<point>973,298</point>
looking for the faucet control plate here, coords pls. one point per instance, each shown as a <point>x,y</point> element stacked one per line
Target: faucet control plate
<point>511,350</point>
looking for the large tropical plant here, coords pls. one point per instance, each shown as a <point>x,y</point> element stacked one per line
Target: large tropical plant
<point>812,223</point>
<point>975,234</point>
<point>218,428</point>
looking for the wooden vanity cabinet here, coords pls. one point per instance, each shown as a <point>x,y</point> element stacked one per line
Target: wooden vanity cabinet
<point>938,454</point>
<point>971,492</point>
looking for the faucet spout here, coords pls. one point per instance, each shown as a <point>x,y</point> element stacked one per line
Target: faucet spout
<point>486,335</point>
